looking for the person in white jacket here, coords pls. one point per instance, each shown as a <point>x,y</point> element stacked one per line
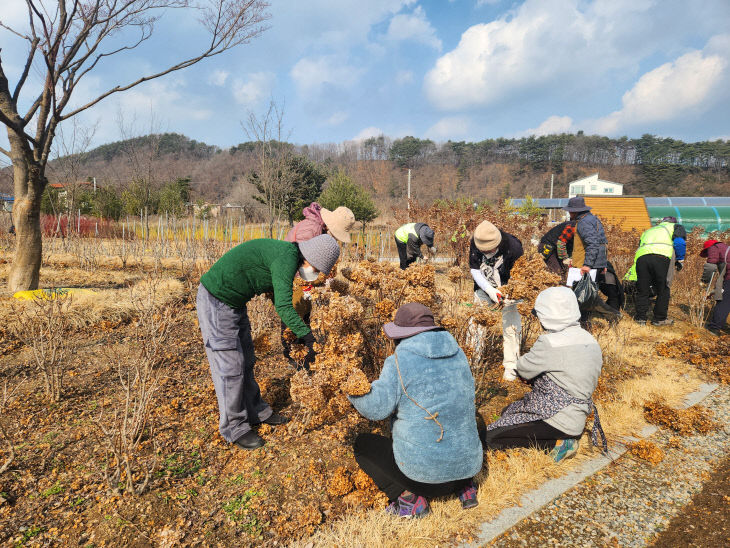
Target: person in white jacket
<point>564,365</point>
<point>492,254</point>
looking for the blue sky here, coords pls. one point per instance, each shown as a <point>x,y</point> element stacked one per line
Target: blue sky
<point>439,69</point>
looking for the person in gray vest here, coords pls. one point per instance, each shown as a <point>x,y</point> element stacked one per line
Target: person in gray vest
<point>563,366</point>
<point>408,240</point>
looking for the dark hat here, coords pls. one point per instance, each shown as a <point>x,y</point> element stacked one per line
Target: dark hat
<point>410,319</point>
<point>669,219</point>
<point>576,205</point>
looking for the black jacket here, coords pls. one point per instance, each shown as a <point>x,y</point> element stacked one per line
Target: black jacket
<point>510,248</point>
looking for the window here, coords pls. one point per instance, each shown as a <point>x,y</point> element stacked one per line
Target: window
<point>594,187</point>
<point>608,190</point>
<point>579,189</point>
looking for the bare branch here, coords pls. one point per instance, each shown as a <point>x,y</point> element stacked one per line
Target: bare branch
<point>7,153</point>
<point>26,69</point>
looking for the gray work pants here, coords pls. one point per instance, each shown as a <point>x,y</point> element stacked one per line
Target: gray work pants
<point>227,338</point>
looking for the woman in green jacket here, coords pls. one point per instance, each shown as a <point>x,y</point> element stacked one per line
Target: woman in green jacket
<point>247,270</point>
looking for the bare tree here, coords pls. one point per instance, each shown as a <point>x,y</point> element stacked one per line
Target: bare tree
<point>65,43</point>
<point>5,437</point>
<point>272,177</point>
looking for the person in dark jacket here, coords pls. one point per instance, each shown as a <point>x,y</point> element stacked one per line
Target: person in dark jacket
<point>249,269</point>
<point>408,240</point>
<point>717,254</point>
<point>556,247</point>
<point>590,254</point>
<point>492,254</point>
<point>426,377</point>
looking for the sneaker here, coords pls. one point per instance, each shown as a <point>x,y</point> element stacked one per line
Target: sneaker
<point>410,506</point>
<point>510,374</point>
<point>564,450</point>
<point>468,496</point>
<point>640,322</point>
<point>661,323</point>
<point>714,332</point>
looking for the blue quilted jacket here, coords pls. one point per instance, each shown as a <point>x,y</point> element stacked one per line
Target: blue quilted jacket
<point>436,374</point>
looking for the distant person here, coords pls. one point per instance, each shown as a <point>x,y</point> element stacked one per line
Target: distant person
<point>563,366</point>
<point>427,390</point>
<point>249,269</point>
<point>408,240</point>
<point>590,256</point>
<point>556,247</point>
<point>492,254</point>
<point>717,254</point>
<point>661,252</point>
<point>317,220</point>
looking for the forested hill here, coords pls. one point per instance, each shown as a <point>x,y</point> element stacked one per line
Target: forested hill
<point>493,168</point>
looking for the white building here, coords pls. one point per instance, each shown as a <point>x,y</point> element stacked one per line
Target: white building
<point>593,186</point>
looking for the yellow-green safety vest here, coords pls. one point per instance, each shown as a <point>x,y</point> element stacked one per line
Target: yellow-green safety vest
<point>402,233</point>
<point>656,240</point>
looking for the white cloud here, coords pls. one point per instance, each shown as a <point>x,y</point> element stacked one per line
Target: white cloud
<point>552,125</point>
<point>337,118</point>
<point>544,44</point>
<point>367,133</point>
<point>415,27</point>
<point>15,14</point>
<point>487,2</point>
<point>404,77</point>
<point>218,77</point>
<point>451,127</point>
<point>668,92</point>
<point>254,89</point>
<point>310,74</point>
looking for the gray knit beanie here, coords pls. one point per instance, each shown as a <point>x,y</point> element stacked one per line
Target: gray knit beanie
<point>321,251</point>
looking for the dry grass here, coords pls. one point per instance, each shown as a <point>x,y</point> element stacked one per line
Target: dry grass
<point>106,305</point>
<point>510,475</point>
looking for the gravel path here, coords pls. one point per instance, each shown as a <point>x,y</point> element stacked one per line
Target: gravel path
<point>630,501</point>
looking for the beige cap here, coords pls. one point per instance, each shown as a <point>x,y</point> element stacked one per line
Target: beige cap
<point>487,236</point>
<point>339,222</point>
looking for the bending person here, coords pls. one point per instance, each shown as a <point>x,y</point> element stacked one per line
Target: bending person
<point>564,365</point>
<point>247,270</point>
<point>492,254</point>
<point>408,240</point>
<point>717,256</point>
<point>317,220</point>
<point>427,389</point>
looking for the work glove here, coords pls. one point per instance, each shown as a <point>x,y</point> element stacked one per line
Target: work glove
<point>678,265</point>
<point>494,294</point>
<point>568,262</point>
<point>432,249</point>
<point>309,340</point>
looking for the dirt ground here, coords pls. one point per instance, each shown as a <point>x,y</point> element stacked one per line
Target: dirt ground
<point>706,520</point>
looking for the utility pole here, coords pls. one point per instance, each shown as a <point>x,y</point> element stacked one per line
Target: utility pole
<point>552,177</point>
<point>409,189</point>
<point>94,185</point>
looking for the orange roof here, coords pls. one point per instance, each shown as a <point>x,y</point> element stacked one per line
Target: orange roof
<point>628,212</point>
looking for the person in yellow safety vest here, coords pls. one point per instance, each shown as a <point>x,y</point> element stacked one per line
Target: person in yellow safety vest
<point>409,238</point>
<point>661,252</point>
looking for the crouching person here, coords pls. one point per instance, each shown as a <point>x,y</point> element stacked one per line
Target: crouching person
<point>247,270</point>
<point>427,389</point>
<point>564,365</point>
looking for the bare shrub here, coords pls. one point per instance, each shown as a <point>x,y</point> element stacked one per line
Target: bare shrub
<point>127,430</point>
<point>42,324</point>
<point>5,438</point>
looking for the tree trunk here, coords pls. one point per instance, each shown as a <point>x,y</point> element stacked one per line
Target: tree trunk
<point>29,182</point>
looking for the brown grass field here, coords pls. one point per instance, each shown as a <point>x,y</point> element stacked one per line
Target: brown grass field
<point>137,399</point>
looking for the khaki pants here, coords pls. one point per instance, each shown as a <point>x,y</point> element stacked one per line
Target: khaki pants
<point>511,330</point>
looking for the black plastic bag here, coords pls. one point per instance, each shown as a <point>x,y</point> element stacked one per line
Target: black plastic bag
<point>585,291</point>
